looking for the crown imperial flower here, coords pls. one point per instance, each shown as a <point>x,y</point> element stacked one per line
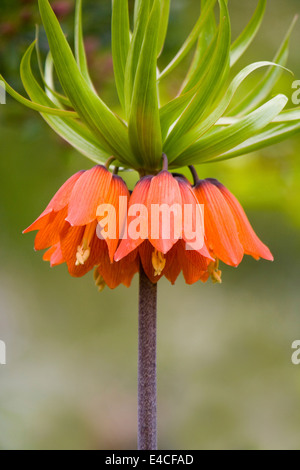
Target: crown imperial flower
<point>165,226</point>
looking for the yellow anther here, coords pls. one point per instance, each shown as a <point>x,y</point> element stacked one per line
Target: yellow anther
<point>99,281</point>
<point>82,255</point>
<point>83,250</point>
<point>158,262</point>
<point>215,273</point>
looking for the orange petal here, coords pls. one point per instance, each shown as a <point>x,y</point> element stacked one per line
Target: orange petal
<point>146,251</point>
<point>120,272</point>
<point>192,271</point>
<point>199,261</point>
<point>70,240</point>
<point>57,203</point>
<point>189,200</point>
<point>117,190</point>
<point>173,268</point>
<point>252,244</point>
<point>39,223</point>
<point>138,197</point>
<point>49,235</point>
<point>165,232</point>
<point>220,227</point>
<point>88,193</point>
<point>47,255</point>
<point>54,255</point>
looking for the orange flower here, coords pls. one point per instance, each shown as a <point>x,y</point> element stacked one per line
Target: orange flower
<point>68,227</point>
<point>163,249</point>
<point>155,227</point>
<point>228,232</point>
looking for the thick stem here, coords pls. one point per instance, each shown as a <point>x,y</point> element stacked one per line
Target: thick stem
<point>147,389</point>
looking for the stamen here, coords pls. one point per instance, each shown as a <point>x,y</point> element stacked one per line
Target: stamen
<point>83,250</point>
<point>215,273</point>
<point>158,262</point>
<point>82,255</point>
<point>99,281</point>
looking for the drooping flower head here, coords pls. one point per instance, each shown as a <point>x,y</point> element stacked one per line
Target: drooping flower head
<point>201,123</point>
<point>68,227</point>
<point>229,234</point>
<point>165,236</point>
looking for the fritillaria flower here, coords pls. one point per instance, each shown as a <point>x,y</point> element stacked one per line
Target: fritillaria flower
<point>228,232</point>
<point>201,123</point>
<point>68,227</point>
<point>164,245</point>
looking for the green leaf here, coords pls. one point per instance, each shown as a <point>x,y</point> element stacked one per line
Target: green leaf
<point>271,136</point>
<point>208,31</point>
<point>79,46</point>
<point>197,75</point>
<point>163,27</point>
<point>223,140</point>
<point>172,110</point>
<point>265,86</point>
<point>120,37</point>
<point>111,132</point>
<point>206,42</point>
<point>144,124</point>
<point>242,43</point>
<point>57,98</point>
<point>142,11</point>
<point>212,116</point>
<point>70,130</point>
<point>287,115</point>
<point>136,12</point>
<point>211,82</point>
<point>36,106</point>
<point>190,41</point>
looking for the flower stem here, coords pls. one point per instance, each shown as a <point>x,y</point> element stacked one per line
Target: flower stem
<point>165,162</point>
<point>147,390</point>
<point>194,174</point>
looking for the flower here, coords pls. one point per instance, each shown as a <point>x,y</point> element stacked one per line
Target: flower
<point>154,222</point>
<point>68,227</point>
<point>228,232</point>
<point>188,129</point>
<point>163,241</point>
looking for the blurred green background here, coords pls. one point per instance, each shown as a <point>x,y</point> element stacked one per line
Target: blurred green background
<point>225,377</point>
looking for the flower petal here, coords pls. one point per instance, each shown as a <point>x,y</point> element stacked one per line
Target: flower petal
<point>88,193</point>
<point>165,231</point>
<point>173,268</point>
<point>54,255</point>
<point>192,271</point>
<point>39,223</point>
<point>253,246</point>
<point>120,272</point>
<point>49,235</point>
<point>146,250</point>
<point>138,197</point>
<point>220,227</point>
<point>70,239</point>
<point>59,201</point>
<point>191,203</point>
<point>117,190</point>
